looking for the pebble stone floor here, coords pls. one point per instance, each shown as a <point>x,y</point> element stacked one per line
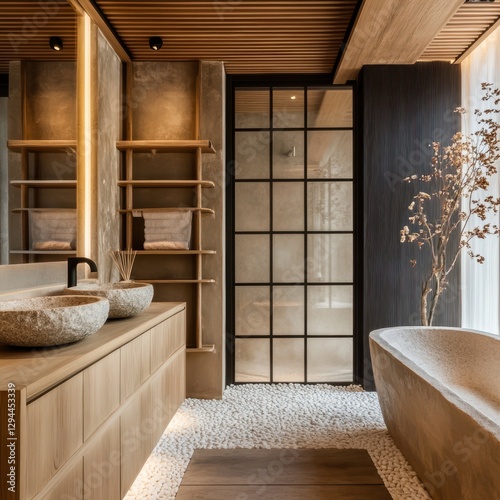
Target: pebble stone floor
<point>276,416</point>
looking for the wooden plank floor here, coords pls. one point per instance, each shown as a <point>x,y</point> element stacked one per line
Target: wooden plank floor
<point>243,474</point>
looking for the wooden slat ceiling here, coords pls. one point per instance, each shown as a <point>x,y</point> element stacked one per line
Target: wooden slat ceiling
<point>26,26</point>
<point>250,36</point>
<point>462,30</point>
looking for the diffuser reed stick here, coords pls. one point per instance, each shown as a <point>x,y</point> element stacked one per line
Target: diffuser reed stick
<point>124,261</point>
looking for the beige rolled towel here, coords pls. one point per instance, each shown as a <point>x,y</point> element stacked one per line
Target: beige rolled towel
<point>52,245</point>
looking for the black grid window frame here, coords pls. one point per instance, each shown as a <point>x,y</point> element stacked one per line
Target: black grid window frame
<point>234,84</point>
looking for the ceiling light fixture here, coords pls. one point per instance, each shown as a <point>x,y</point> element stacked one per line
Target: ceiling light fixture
<point>56,43</point>
<point>155,43</point>
<point>293,97</point>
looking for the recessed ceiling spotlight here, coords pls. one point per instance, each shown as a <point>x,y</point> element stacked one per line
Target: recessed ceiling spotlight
<point>155,43</point>
<point>56,43</point>
<point>293,97</point>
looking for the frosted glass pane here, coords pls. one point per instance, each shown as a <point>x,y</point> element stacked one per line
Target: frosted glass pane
<point>330,258</point>
<point>329,360</point>
<point>252,155</point>
<point>288,310</point>
<point>252,206</point>
<point>288,258</point>
<point>329,206</point>
<point>329,108</point>
<point>252,314</point>
<point>252,258</point>
<point>329,154</point>
<point>329,310</point>
<point>288,206</point>
<point>252,108</point>
<point>252,360</point>
<point>288,108</point>
<point>288,360</point>
<point>288,155</point>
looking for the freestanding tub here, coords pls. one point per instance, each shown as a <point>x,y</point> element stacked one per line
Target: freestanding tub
<point>439,390</point>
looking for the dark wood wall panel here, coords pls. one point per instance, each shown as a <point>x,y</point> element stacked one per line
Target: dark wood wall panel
<point>401,111</point>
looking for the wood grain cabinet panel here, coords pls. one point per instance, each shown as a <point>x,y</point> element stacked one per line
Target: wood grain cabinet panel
<point>54,431</point>
<point>135,364</point>
<point>101,388</point>
<point>70,486</point>
<point>167,396</point>
<point>101,466</point>
<point>166,338</point>
<point>137,427</point>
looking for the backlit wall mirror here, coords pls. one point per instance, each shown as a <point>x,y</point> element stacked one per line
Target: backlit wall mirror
<point>38,132</point>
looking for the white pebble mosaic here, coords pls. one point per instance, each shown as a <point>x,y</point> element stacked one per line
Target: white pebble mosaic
<point>276,416</point>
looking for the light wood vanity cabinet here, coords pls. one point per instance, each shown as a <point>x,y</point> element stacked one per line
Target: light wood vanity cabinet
<point>88,415</point>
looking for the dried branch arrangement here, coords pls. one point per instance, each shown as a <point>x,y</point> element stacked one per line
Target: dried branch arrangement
<point>457,193</point>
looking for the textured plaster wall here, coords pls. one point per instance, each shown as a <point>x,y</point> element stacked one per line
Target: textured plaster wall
<point>108,132</point>
<point>205,372</point>
<point>50,100</point>
<point>163,100</point>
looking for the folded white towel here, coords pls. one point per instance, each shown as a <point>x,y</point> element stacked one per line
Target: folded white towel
<point>163,223</point>
<point>166,245</point>
<point>63,214</point>
<point>171,214</point>
<point>52,245</point>
<point>53,229</point>
<point>170,230</point>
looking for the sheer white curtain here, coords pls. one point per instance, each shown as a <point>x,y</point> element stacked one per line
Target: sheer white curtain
<point>481,282</point>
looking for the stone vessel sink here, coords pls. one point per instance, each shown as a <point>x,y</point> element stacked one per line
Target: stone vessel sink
<point>126,298</point>
<point>50,321</point>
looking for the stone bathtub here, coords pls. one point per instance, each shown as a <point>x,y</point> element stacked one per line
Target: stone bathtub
<point>439,390</point>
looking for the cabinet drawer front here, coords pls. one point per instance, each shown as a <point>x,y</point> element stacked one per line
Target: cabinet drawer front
<point>70,486</point>
<point>166,338</point>
<point>137,436</point>
<point>135,364</point>
<point>54,424</point>
<point>101,391</point>
<point>101,466</point>
<point>168,391</point>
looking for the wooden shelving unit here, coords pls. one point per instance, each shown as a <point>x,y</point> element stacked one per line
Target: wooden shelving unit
<point>25,147</point>
<point>197,147</point>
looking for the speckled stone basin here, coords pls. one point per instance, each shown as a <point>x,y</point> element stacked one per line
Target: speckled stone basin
<point>50,321</point>
<point>125,298</point>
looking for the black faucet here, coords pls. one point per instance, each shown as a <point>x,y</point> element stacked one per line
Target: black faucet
<point>72,263</point>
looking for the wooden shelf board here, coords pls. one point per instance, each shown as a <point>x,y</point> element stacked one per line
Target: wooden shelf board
<point>44,184</point>
<point>40,146</point>
<point>176,252</point>
<point>43,252</point>
<point>167,146</point>
<point>165,209</point>
<point>38,209</point>
<point>205,348</point>
<point>166,184</point>
<point>174,281</point>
